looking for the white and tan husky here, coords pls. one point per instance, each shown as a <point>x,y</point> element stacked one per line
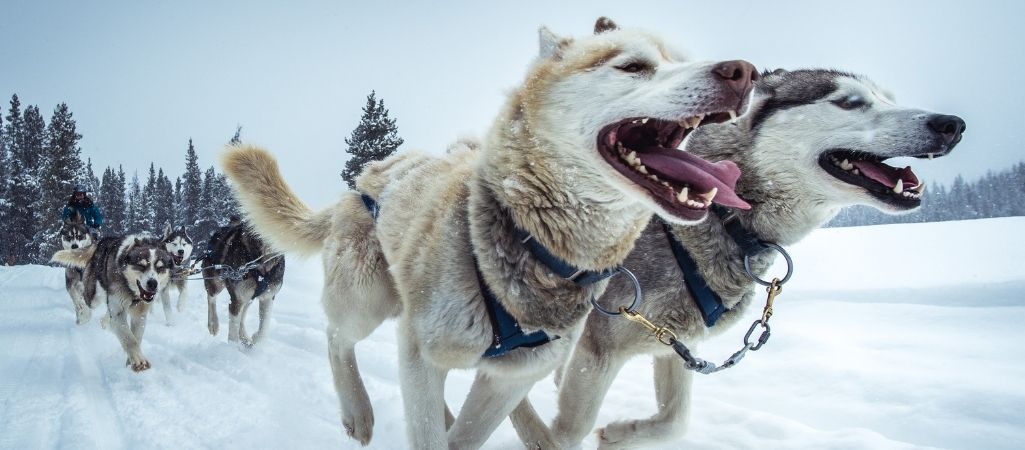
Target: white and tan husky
<point>581,155</point>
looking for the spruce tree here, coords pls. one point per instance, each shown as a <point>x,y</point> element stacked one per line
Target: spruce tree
<point>112,200</point>
<point>374,139</point>
<point>133,209</point>
<point>164,202</point>
<point>192,187</point>
<point>148,202</point>
<point>178,205</point>
<point>237,138</point>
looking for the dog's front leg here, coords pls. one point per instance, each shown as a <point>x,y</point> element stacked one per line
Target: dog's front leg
<point>183,295</point>
<point>82,311</point>
<point>672,392</point>
<point>165,301</point>
<point>585,381</point>
<point>119,325</point>
<point>423,394</point>
<point>235,305</point>
<point>266,301</point>
<point>489,402</point>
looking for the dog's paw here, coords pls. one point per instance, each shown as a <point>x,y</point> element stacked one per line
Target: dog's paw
<point>138,363</point>
<point>181,307</point>
<point>359,428</point>
<point>616,435</point>
<point>82,316</point>
<point>212,326</point>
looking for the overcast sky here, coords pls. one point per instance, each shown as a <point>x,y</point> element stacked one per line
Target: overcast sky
<point>143,77</point>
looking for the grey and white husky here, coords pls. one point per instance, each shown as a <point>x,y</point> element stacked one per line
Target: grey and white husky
<point>812,142</point>
<point>74,235</point>
<point>127,272</point>
<point>179,245</point>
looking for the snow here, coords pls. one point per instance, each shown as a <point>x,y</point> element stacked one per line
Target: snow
<point>895,336</point>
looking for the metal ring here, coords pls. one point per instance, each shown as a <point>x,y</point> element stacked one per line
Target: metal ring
<point>637,295</point>
<point>786,256</point>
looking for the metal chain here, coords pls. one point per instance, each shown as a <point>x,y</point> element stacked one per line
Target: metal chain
<point>691,362</point>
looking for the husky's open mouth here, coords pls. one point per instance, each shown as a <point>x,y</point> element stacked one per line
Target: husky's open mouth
<point>177,259</point>
<point>144,294</point>
<point>645,151</point>
<point>897,187</point>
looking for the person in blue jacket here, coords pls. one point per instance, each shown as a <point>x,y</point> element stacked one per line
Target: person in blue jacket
<point>85,207</point>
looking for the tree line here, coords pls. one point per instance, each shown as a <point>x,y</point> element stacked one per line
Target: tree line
<point>997,194</point>
<point>41,162</point>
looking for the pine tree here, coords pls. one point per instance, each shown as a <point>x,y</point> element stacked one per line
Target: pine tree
<point>112,201</point>
<point>237,138</point>
<point>208,212</point>
<point>374,139</point>
<point>88,178</point>
<point>192,187</point>
<point>148,202</point>
<point>163,202</point>
<point>133,209</point>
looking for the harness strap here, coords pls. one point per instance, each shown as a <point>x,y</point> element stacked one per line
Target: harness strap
<point>506,332</point>
<point>558,266</point>
<point>708,302</point>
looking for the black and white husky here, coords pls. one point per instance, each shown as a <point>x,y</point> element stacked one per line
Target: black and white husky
<point>812,142</point>
<point>179,245</point>
<point>238,260</point>
<point>74,235</point>
<point>128,272</point>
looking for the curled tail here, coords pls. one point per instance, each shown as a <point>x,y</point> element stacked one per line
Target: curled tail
<point>274,211</point>
<point>77,258</point>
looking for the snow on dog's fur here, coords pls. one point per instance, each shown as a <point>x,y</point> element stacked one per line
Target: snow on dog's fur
<point>580,157</point>
<point>813,141</point>
<point>127,272</point>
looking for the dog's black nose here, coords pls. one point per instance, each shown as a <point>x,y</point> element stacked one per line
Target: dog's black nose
<point>151,285</point>
<point>950,127</point>
<point>739,75</point>
<point>181,252</point>
<point>74,246</point>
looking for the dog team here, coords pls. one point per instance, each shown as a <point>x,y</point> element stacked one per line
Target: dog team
<point>619,164</point>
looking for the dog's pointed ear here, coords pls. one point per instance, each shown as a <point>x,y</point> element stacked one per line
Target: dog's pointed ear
<point>167,229</point>
<point>550,45</point>
<point>604,24</point>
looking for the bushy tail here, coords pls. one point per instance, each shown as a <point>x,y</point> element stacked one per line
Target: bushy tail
<point>77,258</point>
<point>275,212</point>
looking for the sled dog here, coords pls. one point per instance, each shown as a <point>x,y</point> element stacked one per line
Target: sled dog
<point>237,260</point>
<point>130,271</point>
<point>521,232</point>
<point>812,142</point>
<point>74,235</point>
<point>179,245</point>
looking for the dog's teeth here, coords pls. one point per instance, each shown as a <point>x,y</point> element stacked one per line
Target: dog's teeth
<point>644,120</point>
<point>930,156</point>
<point>899,187</point>
<point>635,121</point>
<point>920,189</point>
<point>684,195</point>
<point>641,168</point>
<point>631,157</point>
<point>857,172</point>
<point>733,116</point>
<point>653,178</point>
<point>708,196</point>
<point>846,165</point>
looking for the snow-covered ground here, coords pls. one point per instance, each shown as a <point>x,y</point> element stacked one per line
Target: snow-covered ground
<point>896,336</point>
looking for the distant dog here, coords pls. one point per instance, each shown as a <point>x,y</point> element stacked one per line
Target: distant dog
<point>238,260</point>
<point>577,161</point>
<point>179,245</point>
<point>74,235</point>
<point>812,142</point>
<point>130,271</point>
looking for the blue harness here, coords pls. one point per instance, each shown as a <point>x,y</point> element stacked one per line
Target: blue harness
<point>507,333</point>
<point>705,298</point>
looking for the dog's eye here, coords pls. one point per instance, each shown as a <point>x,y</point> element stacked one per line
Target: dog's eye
<point>852,102</point>
<point>633,67</point>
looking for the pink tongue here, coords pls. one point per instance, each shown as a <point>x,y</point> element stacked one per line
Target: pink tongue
<point>685,168</point>
<point>886,175</point>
